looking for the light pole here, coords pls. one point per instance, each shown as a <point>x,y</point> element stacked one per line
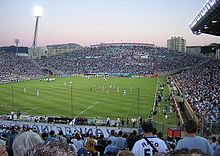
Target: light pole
<point>16,42</point>
<point>38,11</point>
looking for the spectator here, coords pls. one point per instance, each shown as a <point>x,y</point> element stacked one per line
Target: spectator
<point>150,143</point>
<point>10,136</point>
<point>110,149</point>
<point>112,136</point>
<point>200,86</point>
<point>90,144</point>
<point>25,142</point>
<point>131,139</point>
<point>120,142</point>
<point>44,136</point>
<point>52,136</point>
<point>192,141</point>
<point>214,143</point>
<point>77,141</point>
<point>217,149</point>
<point>61,137</point>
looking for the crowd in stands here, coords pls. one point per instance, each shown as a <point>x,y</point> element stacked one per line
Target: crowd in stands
<point>123,59</point>
<point>201,87</point>
<point>20,141</point>
<point>14,67</point>
<point>112,59</point>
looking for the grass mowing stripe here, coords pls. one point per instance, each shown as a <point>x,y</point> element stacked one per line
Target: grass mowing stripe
<point>55,97</point>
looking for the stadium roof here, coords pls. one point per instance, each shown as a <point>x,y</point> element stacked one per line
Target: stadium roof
<point>208,19</point>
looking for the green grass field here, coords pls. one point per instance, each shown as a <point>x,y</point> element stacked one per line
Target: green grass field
<point>89,99</point>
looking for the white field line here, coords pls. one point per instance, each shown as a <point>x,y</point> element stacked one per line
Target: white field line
<point>86,109</point>
<point>30,110</point>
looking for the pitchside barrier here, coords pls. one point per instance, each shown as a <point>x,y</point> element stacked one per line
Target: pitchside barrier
<point>98,128</point>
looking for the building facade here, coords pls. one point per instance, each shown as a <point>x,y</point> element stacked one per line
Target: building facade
<point>37,53</point>
<point>177,43</point>
<point>62,48</point>
<point>212,52</point>
<point>49,50</point>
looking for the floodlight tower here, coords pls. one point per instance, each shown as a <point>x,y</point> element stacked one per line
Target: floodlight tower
<point>38,11</point>
<point>17,42</point>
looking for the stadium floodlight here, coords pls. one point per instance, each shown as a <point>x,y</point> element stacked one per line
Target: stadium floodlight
<point>38,11</point>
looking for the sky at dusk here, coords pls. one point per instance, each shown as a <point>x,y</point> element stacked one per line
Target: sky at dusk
<point>89,22</point>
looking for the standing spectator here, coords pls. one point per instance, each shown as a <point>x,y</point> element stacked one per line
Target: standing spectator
<point>120,142</point>
<point>61,137</point>
<point>214,143</point>
<point>192,141</point>
<point>112,136</point>
<point>110,149</point>
<point>90,144</point>
<point>77,141</point>
<point>150,143</point>
<point>10,139</point>
<point>101,144</point>
<point>52,136</point>
<point>131,139</point>
<point>44,136</point>
<point>217,149</point>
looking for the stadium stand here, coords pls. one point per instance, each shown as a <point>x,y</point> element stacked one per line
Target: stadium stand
<point>14,68</point>
<point>113,59</point>
<point>202,90</point>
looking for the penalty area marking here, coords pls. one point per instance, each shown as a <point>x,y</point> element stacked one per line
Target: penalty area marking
<point>86,109</point>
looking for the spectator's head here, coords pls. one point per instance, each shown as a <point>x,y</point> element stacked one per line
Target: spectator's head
<point>78,137</point>
<point>191,126</point>
<point>25,142</point>
<point>213,139</point>
<point>109,142</point>
<point>44,136</point>
<point>102,136</point>
<point>52,133</point>
<point>112,132</point>
<point>160,135</point>
<point>91,135</point>
<point>147,127</point>
<point>134,132</point>
<point>60,132</point>
<point>54,149</point>
<point>120,133</point>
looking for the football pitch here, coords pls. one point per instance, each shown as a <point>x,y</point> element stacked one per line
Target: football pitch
<point>81,97</point>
